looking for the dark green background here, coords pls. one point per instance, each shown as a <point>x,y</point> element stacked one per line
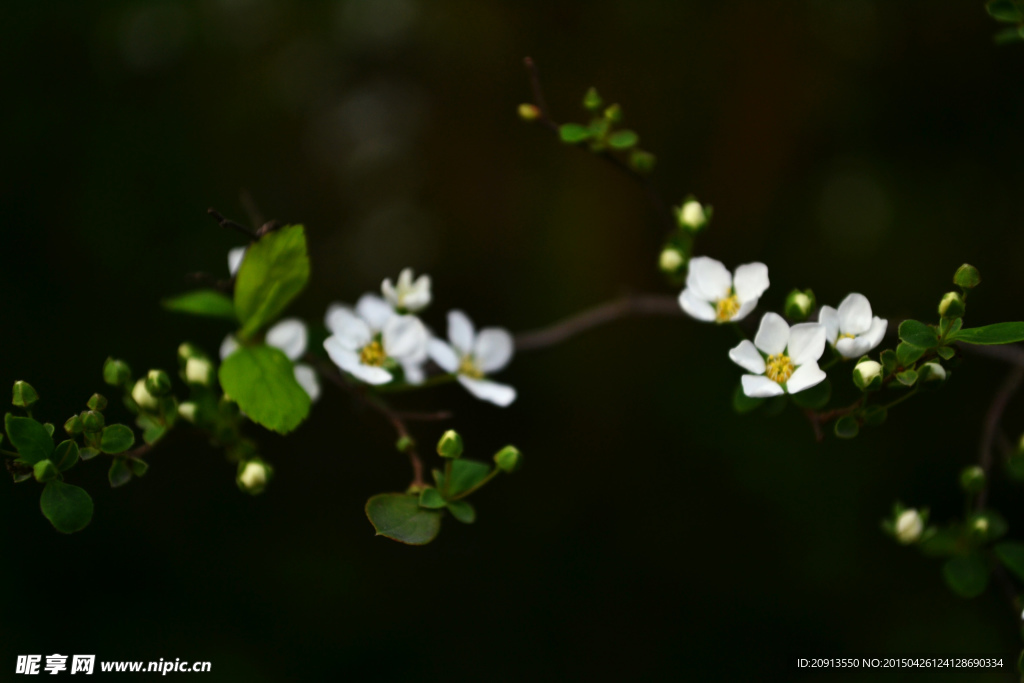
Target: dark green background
<point>851,145</point>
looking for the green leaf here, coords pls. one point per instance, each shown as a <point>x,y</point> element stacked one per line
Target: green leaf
<point>966,576</point>
<point>431,498</point>
<point>138,467</point>
<point>274,271</point>
<point>889,360</point>
<point>1006,11</point>
<point>907,377</point>
<point>1000,333</point>
<point>66,455</point>
<point>1008,35</point>
<point>261,380</point>
<point>742,403</point>
<point>116,439</point>
<point>463,511</point>
<point>398,516</point>
<point>68,507</point>
<point>847,427</point>
<point>815,397</point>
<point>205,302</point>
<point>88,453</point>
<point>907,354</point>
<point>1011,554</point>
<point>573,133</point>
<point>29,438</point>
<point>119,473</point>
<point>465,475</point>
<point>874,415</point>
<point>623,139</point>
<point>945,352</point>
<point>917,333</point>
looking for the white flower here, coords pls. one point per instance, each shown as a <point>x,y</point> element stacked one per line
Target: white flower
<point>362,340</point>
<point>141,395</point>
<point>866,372</point>
<point>235,257</point>
<point>909,526</point>
<point>290,336</point>
<point>408,296</point>
<point>851,329</point>
<point>198,371</point>
<point>472,356</point>
<point>713,294</point>
<point>792,357</point>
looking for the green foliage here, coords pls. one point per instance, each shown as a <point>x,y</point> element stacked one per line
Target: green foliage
<point>908,354</point>
<point>967,575</point>
<point>907,378</point>
<point>1011,554</point>
<point>432,499</point>
<point>66,455</point>
<point>1000,333</point>
<point>463,511</point>
<point>916,333</point>
<point>68,507</point>
<point>742,403</point>
<point>204,302</point>
<point>119,473</point>
<point>890,361</point>
<point>847,427</point>
<point>116,439</point>
<point>623,139</point>
<point>816,397</point>
<point>261,380</point>
<point>23,395</point>
<point>1011,12</point>
<point>574,133</point>
<point>116,372</point>
<point>466,475</point>
<point>29,438</point>
<point>398,516</point>
<point>274,271</point>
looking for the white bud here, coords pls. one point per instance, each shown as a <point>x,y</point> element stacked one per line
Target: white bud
<point>932,372</point>
<point>253,477</point>
<point>141,395</point>
<point>187,411</point>
<point>691,215</point>
<point>198,371</point>
<point>981,525</point>
<point>670,260</point>
<point>909,526</point>
<point>866,372</point>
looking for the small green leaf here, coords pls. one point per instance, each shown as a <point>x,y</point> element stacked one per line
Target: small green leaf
<point>943,543</point>
<point>138,467</point>
<point>465,475</point>
<point>889,360</point>
<point>45,470</point>
<point>431,499</point>
<point>742,403</point>
<point>592,100</point>
<point>88,453</point>
<point>1008,35</point>
<point>874,415</point>
<point>573,133</point>
<point>907,377</point>
<point>261,380</point>
<point>274,271</point>
<point>66,455</point>
<point>847,427</point>
<point>908,354</point>
<point>68,507</point>
<point>1000,333</point>
<point>966,576</point>
<point>29,438</point>
<point>399,517</point>
<point>917,333</point>
<point>463,511</point>
<point>815,397</point>
<point>1006,11</point>
<point>204,302</point>
<point>623,139</point>
<point>116,439</point>
<point>1011,554</point>
<point>119,473</point>
<point>945,352</point>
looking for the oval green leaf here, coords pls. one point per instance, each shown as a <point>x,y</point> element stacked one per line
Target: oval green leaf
<point>466,474</point>
<point>66,455</point>
<point>116,439</point>
<point>1000,333</point>
<point>623,139</point>
<point>204,302</point>
<point>29,437</point>
<point>68,507</point>
<point>274,271</point>
<point>261,380</point>
<point>966,576</point>
<point>463,511</point>
<point>1011,554</point>
<point>572,133</point>
<point>398,516</point>
<point>916,333</point>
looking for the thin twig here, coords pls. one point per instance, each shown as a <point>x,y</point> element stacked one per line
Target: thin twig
<point>990,427</point>
<point>228,223</point>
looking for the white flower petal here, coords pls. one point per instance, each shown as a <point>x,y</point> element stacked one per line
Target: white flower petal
<point>750,281</point>
<point>444,355</point>
<point>746,308</point>
<point>374,310</point>
<point>759,386</point>
<point>235,257</point>
<point>493,349</point>
<point>876,333</point>
<point>228,346</point>
<point>854,314</point>
<point>404,337</point>
<point>696,307</point>
<point>306,377</point>
<point>405,279</point>
<point>389,292</point>
<point>486,390</point>
<point>343,357</point>
<point>772,334</point>
<point>371,374</point>
<point>414,373</point>
<point>806,343</point>
<point>805,377</point>
<point>351,330</point>
<point>418,296</point>
<point>853,347</point>
<point>746,355</point>
<point>460,331</point>
<point>709,279</point>
<point>829,317</point>
<point>290,336</point>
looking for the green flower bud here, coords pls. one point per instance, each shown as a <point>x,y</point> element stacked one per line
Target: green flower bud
<point>187,351</point>
<point>116,372</point>
<point>592,100</point>
<point>141,395</point>
<point>967,277</point>
<point>92,421</point>
<point>158,383</point>
<point>529,112</point>
<point>450,445</point>
<point>23,395</point>
<point>97,402</point>
<point>671,261</point>
<point>931,372</point>
<point>979,527</point>
<point>253,476</point>
<point>692,216</point>
<point>199,371</point>
<point>799,305</point>
<point>405,444</point>
<point>641,161</point>
<point>867,375</point>
<point>73,425</point>
<point>613,113</point>
<point>909,526</point>
<point>45,471</point>
<point>952,305</point>
<point>508,459</point>
<point>972,479</point>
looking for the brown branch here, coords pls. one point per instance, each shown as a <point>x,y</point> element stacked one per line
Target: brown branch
<point>990,427</point>
<point>624,307</point>
<point>228,223</point>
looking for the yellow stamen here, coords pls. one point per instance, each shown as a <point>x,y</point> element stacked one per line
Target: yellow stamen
<point>846,335</point>
<point>373,354</point>
<point>468,367</point>
<point>726,308</point>
<point>779,368</point>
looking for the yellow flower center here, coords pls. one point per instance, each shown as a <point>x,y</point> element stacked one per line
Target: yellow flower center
<point>846,335</point>
<point>779,368</point>
<point>726,308</point>
<point>373,354</point>
<point>469,368</point>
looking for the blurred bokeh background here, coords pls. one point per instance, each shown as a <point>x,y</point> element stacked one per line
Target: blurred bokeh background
<point>850,144</point>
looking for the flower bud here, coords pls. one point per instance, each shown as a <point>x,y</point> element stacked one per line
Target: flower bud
<point>972,479</point>
<point>187,411</point>
<point>141,395</point>
<point>799,305</point>
<point>45,471</point>
<point>641,161</point>
<point>931,372</point>
<point>592,100</point>
<point>613,113</point>
<point>97,402</point>
<point>692,216</point>
<point>198,371</point>
<point>867,375</point>
<point>253,476</point>
<point>158,383</point>
<point>187,351</point>
<point>92,421</point>
<point>529,112</point>
<point>450,445</point>
<point>508,459</point>
<point>909,526</point>
<point>23,395</point>
<point>73,425</point>
<point>967,277</point>
<point>952,305</point>
<point>116,372</point>
<point>671,261</point>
